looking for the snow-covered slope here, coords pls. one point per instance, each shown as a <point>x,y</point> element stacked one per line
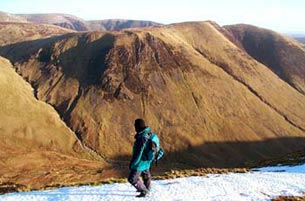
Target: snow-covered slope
<point>259,184</point>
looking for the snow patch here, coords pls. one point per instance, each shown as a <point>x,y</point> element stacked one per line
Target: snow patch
<point>294,169</point>
<point>262,184</point>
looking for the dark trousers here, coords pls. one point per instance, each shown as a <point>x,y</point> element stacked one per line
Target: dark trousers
<point>134,179</point>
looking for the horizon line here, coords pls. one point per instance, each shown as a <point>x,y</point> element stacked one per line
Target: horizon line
<point>290,33</point>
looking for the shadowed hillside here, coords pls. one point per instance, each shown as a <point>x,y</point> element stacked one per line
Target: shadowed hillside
<point>209,155</point>
<point>281,54</point>
<point>189,81</point>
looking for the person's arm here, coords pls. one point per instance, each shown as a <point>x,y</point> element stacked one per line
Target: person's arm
<point>137,152</point>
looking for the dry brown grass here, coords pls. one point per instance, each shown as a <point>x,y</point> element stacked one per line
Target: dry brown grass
<point>294,158</point>
<point>289,198</point>
<point>27,122</point>
<point>198,172</point>
<point>275,51</point>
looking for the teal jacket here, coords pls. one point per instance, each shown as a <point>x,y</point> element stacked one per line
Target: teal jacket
<point>139,159</point>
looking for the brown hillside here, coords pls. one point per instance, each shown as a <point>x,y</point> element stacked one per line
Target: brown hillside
<point>17,32</point>
<point>211,103</point>
<point>281,54</point>
<point>36,146</point>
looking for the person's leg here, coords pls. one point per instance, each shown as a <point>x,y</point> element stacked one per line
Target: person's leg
<point>147,179</point>
<point>134,180</point>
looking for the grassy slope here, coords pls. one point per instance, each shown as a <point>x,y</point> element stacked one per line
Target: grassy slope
<point>23,117</point>
<point>283,55</point>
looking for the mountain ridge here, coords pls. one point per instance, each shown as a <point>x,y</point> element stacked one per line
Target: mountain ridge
<point>73,22</point>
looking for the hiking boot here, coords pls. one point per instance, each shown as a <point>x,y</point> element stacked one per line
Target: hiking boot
<point>143,194</point>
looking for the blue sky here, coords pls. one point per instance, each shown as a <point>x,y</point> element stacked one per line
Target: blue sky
<point>284,16</point>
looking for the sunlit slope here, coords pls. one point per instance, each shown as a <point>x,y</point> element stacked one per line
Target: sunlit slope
<point>36,147</point>
<point>27,123</point>
<point>276,93</point>
<point>283,55</point>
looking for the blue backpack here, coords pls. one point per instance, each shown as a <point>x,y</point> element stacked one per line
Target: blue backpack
<point>155,152</point>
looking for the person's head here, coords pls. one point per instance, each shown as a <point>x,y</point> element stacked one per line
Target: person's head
<point>139,125</point>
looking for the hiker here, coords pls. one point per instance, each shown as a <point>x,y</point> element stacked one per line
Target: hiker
<point>139,165</point>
